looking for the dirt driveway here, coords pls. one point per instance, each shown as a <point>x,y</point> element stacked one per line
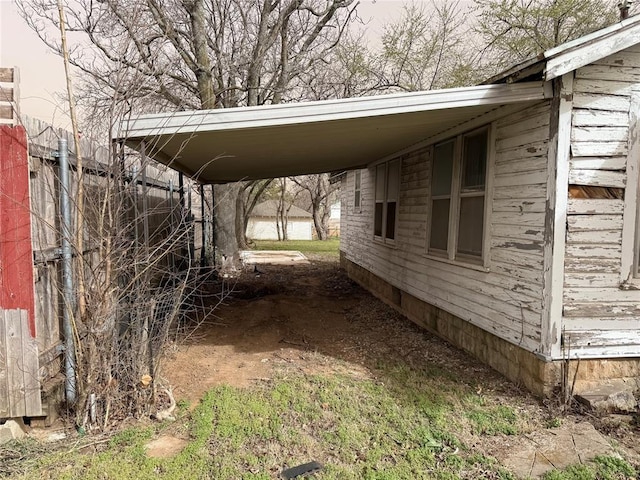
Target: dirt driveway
<point>297,315</point>
<point>313,319</point>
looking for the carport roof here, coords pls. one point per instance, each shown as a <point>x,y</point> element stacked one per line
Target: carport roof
<point>247,143</point>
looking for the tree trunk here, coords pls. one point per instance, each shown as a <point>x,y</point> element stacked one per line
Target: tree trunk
<point>256,189</point>
<point>224,210</point>
<point>203,71</point>
<point>318,221</point>
<point>240,219</point>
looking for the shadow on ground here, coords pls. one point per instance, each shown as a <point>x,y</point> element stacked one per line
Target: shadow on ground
<point>312,319</point>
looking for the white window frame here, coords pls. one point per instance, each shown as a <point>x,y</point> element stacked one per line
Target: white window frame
<point>386,200</point>
<point>450,255</point>
<point>357,191</point>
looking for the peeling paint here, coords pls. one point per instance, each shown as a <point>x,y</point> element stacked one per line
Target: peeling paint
<point>523,246</point>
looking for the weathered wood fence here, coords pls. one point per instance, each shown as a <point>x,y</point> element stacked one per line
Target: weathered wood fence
<point>19,377</point>
<point>31,303</point>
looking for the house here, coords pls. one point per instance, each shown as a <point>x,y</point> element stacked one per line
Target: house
<point>503,217</point>
<point>264,222</point>
<point>515,233</point>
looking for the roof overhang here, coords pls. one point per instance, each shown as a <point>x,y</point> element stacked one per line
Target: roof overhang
<point>248,143</point>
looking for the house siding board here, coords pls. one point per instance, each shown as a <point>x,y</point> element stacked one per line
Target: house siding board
<point>506,300</point>
<point>600,319</point>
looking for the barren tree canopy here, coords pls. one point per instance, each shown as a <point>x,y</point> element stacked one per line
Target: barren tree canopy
<point>515,30</point>
<point>198,53</point>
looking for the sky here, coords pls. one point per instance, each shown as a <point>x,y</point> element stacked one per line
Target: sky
<point>42,82</point>
<point>41,71</point>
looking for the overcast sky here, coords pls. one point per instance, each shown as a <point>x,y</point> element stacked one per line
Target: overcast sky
<point>42,72</point>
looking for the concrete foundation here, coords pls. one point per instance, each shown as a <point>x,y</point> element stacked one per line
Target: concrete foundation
<point>518,365</point>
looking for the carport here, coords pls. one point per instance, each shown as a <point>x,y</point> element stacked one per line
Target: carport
<point>250,143</point>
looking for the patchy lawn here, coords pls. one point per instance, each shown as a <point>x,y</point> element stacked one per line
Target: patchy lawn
<point>327,248</point>
<point>304,365</point>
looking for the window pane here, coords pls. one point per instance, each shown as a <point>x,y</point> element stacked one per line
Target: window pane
<point>380,181</point>
<point>474,161</point>
<point>439,224</point>
<point>356,201</point>
<point>391,220</point>
<point>393,180</point>
<point>358,179</point>
<point>471,226</point>
<point>442,168</point>
<point>377,221</point>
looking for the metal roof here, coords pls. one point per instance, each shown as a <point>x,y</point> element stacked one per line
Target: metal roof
<point>247,143</point>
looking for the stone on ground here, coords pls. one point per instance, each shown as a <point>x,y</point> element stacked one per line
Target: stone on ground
<point>557,448</point>
<point>609,397</point>
<point>165,446</point>
<point>12,430</point>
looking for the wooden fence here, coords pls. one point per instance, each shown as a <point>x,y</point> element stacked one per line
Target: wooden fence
<point>30,250</point>
<point>19,376</point>
<point>158,199</point>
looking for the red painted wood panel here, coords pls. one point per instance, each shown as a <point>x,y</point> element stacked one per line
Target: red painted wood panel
<point>16,255</point>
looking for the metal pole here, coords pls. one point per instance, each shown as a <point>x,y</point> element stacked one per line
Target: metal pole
<point>136,216</point>
<point>172,258</point>
<point>183,222</point>
<point>146,336</point>
<point>67,274</point>
<point>203,223</point>
<point>213,227</point>
<point>145,203</point>
<point>191,228</point>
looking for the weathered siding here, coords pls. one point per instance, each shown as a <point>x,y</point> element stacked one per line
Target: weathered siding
<point>506,300</point>
<point>600,319</point>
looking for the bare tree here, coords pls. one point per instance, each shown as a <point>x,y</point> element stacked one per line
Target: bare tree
<point>196,54</point>
<point>348,72</point>
<point>248,198</point>
<point>428,47</point>
<point>515,30</point>
<point>320,193</point>
<point>425,49</point>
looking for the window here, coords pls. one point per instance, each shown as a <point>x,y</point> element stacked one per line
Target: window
<point>357,195</point>
<point>386,200</point>
<point>458,188</point>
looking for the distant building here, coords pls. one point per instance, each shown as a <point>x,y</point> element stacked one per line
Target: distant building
<point>263,222</point>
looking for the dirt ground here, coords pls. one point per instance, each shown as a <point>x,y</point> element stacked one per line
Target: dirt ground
<point>314,319</point>
<point>304,316</point>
